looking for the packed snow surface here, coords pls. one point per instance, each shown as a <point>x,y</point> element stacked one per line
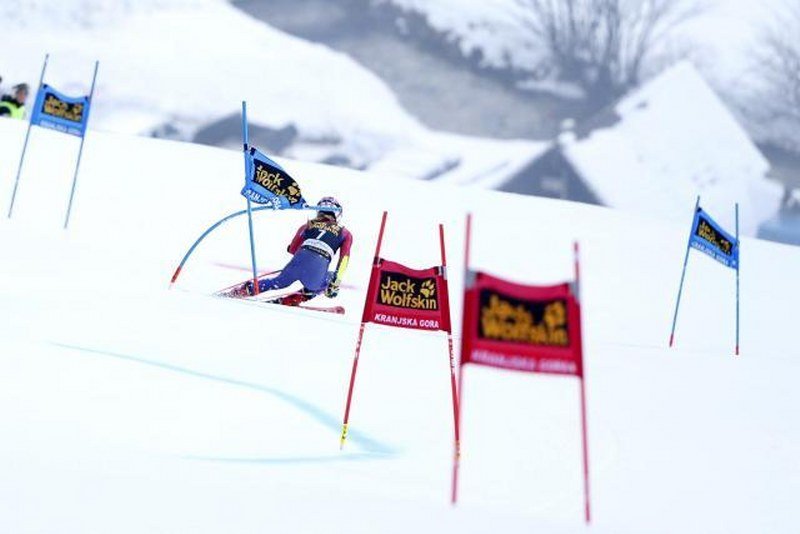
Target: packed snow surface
<point>128,407</point>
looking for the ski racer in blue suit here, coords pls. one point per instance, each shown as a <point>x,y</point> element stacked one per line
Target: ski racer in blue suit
<point>313,248</point>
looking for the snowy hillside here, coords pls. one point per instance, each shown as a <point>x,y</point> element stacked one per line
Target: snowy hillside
<point>723,33</point>
<point>182,64</point>
<point>129,408</point>
<point>494,29</point>
<point>723,37</point>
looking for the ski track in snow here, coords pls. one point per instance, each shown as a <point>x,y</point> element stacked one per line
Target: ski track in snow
<point>372,447</point>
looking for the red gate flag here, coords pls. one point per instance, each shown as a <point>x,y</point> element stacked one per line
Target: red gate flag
<point>525,328</point>
<point>407,298</point>
<point>536,329</point>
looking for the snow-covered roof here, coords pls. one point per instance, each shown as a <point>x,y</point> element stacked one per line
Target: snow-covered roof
<point>674,139</point>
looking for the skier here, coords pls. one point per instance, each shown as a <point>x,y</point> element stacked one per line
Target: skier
<point>14,105</point>
<point>313,248</point>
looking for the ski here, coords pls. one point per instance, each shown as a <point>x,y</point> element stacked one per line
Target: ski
<point>287,300</point>
<point>240,294</point>
<point>291,301</point>
<point>339,310</point>
<point>235,290</point>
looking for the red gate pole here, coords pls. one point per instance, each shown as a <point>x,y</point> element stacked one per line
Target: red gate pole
<point>457,457</point>
<point>453,388</point>
<point>586,496</point>
<point>375,263</point>
<point>467,243</point>
<point>460,389</point>
<point>380,237</point>
<point>350,389</point>
<point>584,434</point>
<point>576,252</point>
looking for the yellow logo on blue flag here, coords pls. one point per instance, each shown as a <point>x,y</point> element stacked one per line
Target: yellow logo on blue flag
<point>269,183</point>
<point>59,112</point>
<point>709,237</point>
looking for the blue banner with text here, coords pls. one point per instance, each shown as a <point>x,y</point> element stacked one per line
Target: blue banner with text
<point>709,237</point>
<point>59,112</point>
<point>269,183</point>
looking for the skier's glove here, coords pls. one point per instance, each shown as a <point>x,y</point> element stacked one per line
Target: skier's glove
<point>333,289</point>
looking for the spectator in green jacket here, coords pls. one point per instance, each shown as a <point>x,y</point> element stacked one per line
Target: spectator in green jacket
<point>13,105</point>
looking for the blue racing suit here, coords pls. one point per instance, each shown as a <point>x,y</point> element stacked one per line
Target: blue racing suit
<point>313,247</point>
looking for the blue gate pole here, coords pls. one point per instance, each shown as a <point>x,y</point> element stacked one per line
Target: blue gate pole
<point>683,274</point>
<point>738,261</point>
<point>25,146</point>
<point>80,150</point>
<point>246,143</point>
<point>214,227</point>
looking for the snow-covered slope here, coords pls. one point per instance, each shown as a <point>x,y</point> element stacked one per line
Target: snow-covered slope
<point>188,63</point>
<point>129,408</point>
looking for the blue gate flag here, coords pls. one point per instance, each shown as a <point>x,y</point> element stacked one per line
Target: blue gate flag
<point>59,112</point>
<point>269,183</point>
<point>709,237</point>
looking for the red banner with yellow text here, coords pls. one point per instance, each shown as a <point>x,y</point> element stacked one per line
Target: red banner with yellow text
<point>407,298</point>
<point>525,328</point>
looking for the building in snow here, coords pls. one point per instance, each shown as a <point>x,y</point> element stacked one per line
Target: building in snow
<point>654,151</point>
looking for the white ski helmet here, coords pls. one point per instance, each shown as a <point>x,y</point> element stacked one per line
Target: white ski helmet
<point>330,202</point>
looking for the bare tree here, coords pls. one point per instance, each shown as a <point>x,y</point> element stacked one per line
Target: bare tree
<point>602,45</point>
<point>778,67</point>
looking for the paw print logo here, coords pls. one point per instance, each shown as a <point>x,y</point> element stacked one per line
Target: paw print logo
<point>428,288</point>
<point>555,315</point>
